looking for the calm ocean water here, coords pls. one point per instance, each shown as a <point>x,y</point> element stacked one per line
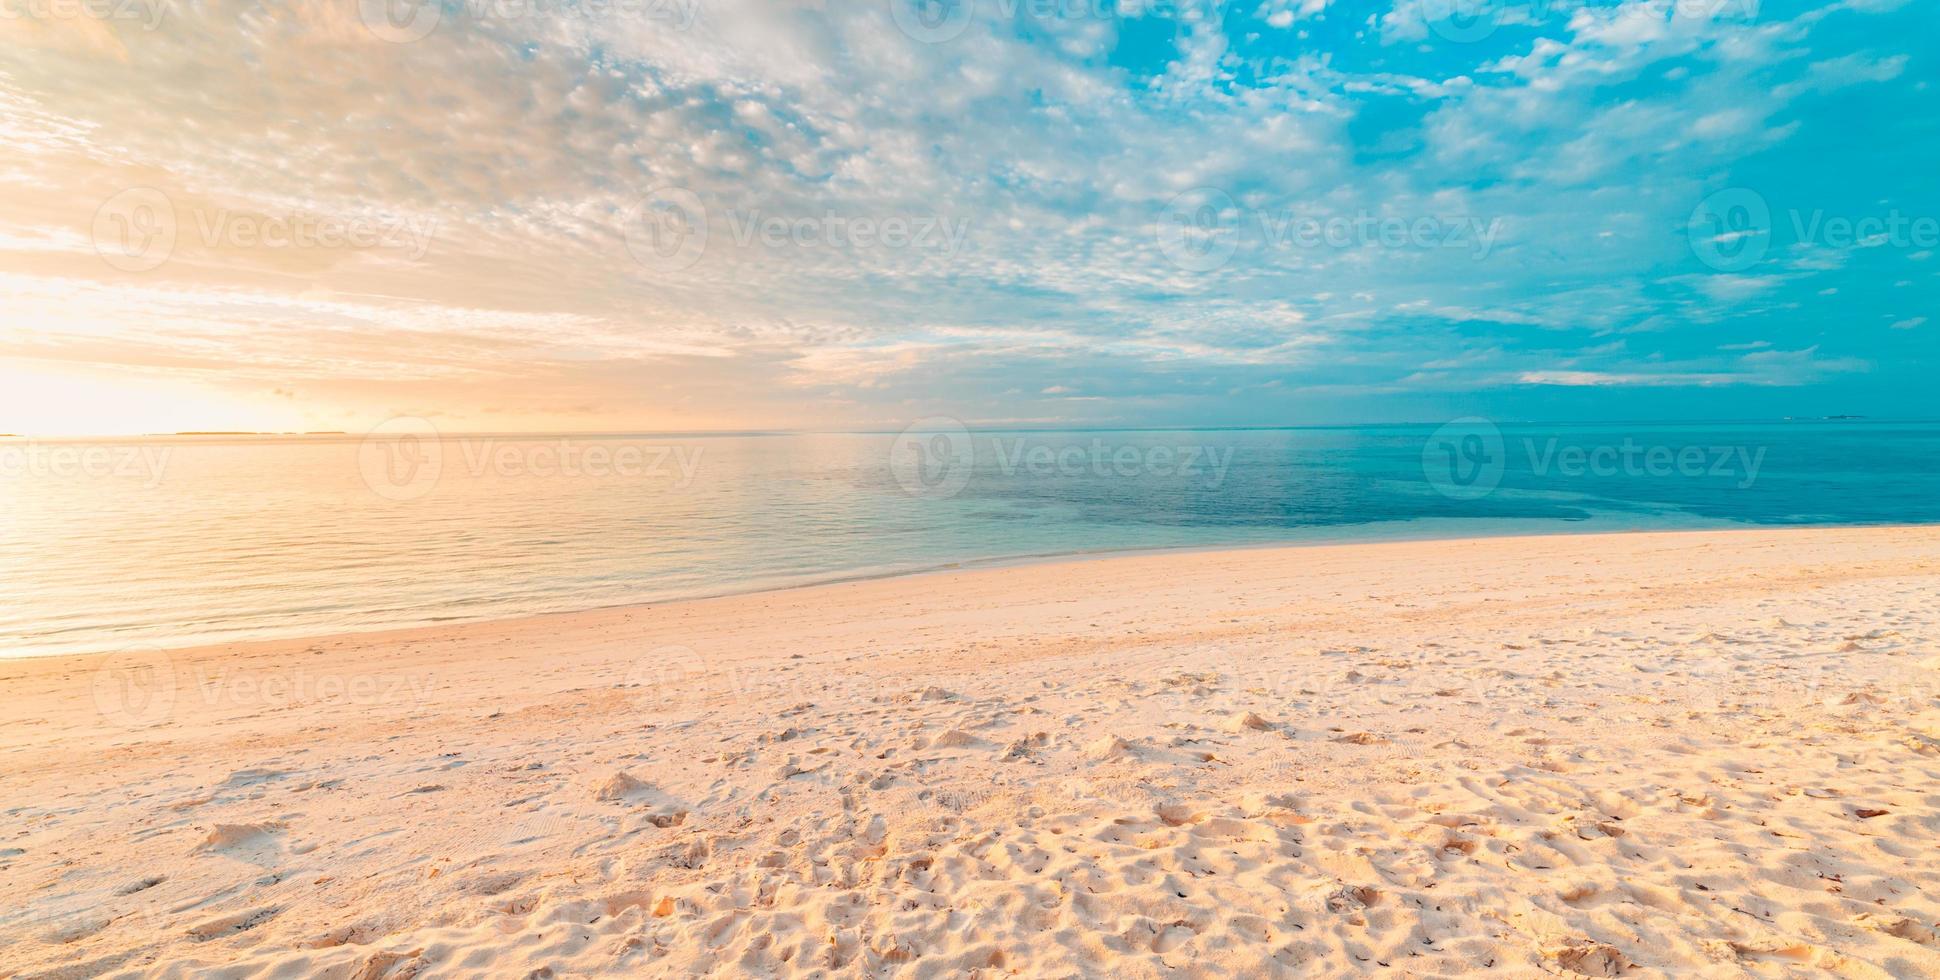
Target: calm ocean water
<point>182,541</point>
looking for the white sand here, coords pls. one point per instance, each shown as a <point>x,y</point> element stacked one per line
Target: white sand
<point>1705,754</point>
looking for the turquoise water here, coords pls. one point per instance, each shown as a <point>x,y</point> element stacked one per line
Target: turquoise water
<point>183,541</point>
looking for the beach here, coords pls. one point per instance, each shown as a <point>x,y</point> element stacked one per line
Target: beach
<point>1705,753</point>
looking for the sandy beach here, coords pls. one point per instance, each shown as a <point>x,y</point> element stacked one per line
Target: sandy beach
<point>1690,754</point>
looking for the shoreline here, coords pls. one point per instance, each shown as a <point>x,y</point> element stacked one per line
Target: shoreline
<point>1657,753</point>
<point>1646,754</point>
<point>1544,530</point>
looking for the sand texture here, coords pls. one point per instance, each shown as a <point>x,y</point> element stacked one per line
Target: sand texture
<point>1652,755</point>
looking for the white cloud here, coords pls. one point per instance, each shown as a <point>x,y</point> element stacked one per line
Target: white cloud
<point>527,142</point>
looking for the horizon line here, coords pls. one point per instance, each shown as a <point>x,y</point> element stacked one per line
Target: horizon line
<point>976,426</point>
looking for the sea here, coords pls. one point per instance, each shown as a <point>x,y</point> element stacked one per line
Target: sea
<point>108,545</point>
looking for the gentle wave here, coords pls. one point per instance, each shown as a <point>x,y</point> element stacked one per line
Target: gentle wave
<point>235,539</point>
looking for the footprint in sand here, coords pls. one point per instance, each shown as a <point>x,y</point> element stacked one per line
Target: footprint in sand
<point>1247,721</point>
<point>250,778</point>
<point>229,925</point>
<point>1590,959</point>
<point>1899,927</point>
<point>141,884</point>
<point>1362,738</point>
<point>663,809</point>
<point>1109,748</point>
<point>955,738</point>
<point>252,842</point>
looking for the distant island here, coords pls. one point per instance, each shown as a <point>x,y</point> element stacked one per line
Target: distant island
<point>217,432</point>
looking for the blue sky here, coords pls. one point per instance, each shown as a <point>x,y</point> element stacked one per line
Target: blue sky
<point>736,214</point>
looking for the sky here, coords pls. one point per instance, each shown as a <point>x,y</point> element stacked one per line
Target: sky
<point>623,215</point>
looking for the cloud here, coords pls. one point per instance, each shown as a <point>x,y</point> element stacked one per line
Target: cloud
<point>883,219</point>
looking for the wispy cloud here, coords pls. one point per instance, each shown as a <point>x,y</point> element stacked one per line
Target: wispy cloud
<point>762,213</point>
